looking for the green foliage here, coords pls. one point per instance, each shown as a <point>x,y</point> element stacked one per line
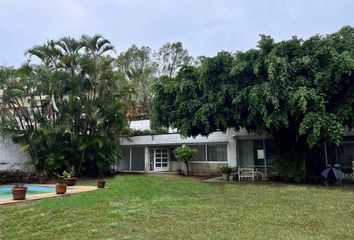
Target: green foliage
<point>171,57</point>
<point>225,169</point>
<point>137,132</point>
<point>294,169</point>
<point>67,174</point>
<point>185,153</point>
<point>69,110</point>
<point>139,69</point>
<point>301,92</point>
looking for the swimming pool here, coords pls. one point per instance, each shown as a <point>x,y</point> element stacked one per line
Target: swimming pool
<point>5,191</point>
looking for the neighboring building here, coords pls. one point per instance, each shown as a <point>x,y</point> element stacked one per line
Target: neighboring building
<point>154,153</point>
<point>11,158</point>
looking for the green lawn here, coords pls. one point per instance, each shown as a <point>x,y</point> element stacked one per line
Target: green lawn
<point>150,207</point>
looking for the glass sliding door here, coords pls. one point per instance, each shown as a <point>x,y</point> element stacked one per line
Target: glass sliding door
<point>258,153</point>
<point>246,153</point>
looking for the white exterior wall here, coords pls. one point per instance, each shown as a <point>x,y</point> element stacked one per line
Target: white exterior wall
<point>140,125</point>
<point>12,158</point>
<point>175,139</point>
<point>145,125</point>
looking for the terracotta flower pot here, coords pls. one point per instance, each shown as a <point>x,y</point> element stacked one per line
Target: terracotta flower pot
<point>19,193</point>
<point>60,188</point>
<point>70,181</point>
<point>101,183</point>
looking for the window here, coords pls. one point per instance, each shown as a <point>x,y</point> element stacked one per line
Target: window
<point>201,157</point>
<point>258,152</point>
<point>253,152</point>
<point>138,159</point>
<point>124,163</point>
<point>217,153</point>
<point>271,150</point>
<point>172,154</point>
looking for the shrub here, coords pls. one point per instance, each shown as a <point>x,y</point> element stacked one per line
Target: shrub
<point>138,132</point>
<point>294,169</point>
<point>13,176</point>
<point>225,170</point>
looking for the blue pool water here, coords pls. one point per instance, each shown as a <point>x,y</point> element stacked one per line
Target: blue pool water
<point>5,191</point>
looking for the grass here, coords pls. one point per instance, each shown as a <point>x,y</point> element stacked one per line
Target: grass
<point>153,207</point>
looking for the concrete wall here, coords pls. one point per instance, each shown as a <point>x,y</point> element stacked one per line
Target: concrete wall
<point>201,169</point>
<point>12,158</point>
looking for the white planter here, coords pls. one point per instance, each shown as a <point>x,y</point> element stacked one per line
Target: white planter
<point>265,177</point>
<point>226,176</point>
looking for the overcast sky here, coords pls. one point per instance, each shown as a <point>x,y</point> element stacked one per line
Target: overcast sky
<point>203,26</point>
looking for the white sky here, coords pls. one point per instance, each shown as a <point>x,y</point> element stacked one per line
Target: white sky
<point>203,26</point>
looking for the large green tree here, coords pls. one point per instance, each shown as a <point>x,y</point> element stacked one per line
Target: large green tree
<point>300,92</point>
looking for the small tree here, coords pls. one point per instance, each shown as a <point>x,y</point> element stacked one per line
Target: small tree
<point>184,154</point>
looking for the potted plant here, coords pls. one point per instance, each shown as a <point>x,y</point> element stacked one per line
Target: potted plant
<point>184,154</point>
<point>225,172</point>
<point>265,177</point>
<point>69,179</point>
<point>101,183</point>
<point>19,191</point>
<point>61,186</point>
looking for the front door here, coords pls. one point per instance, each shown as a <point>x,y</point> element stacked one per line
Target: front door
<point>160,159</point>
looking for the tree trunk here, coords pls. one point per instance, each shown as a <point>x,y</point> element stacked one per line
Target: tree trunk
<point>186,162</point>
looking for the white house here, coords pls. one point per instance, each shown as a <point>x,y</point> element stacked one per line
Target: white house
<point>154,153</point>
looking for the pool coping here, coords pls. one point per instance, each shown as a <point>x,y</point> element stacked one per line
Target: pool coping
<point>73,190</point>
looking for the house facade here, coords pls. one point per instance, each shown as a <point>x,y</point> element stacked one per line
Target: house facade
<point>154,153</point>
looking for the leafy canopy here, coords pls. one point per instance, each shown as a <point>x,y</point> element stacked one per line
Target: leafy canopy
<point>301,92</point>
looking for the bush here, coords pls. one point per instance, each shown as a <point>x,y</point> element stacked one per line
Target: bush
<point>225,170</point>
<point>138,132</point>
<point>294,169</point>
<point>13,176</point>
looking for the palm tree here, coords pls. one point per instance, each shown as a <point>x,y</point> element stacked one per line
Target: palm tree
<point>96,46</point>
<point>69,110</point>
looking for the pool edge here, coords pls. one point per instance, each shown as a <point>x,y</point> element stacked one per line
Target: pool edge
<point>74,189</point>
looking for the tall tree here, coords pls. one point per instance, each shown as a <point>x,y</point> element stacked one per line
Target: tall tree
<point>300,92</point>
<point>139,69</point>
<point>171,57</point>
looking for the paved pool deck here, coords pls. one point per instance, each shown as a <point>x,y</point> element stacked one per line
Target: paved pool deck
<point>73,190</point>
